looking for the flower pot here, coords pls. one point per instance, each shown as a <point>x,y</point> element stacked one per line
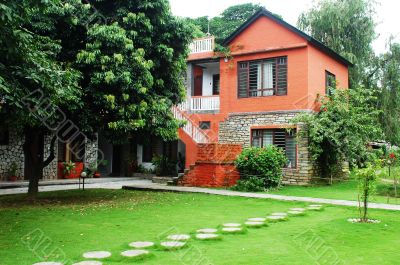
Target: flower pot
<point>12,178</point>
<point>96,175</point>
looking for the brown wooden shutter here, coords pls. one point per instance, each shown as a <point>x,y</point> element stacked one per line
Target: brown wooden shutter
<point>281,74</point>
<point>243,79</point>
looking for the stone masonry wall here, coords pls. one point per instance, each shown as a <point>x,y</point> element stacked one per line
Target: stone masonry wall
<point>237,129</point>
<point>13,152</point>
<point>50,172</point>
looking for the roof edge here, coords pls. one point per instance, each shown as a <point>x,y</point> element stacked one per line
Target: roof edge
<point>265,12</point>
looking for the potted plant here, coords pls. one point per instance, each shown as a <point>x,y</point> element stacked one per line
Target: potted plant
<point>92,169</point>
<point>13,172</point>
<point>68,168</point>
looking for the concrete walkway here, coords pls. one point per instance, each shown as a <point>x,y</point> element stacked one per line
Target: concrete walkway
<point>158,187</point>
<point>7,188</point>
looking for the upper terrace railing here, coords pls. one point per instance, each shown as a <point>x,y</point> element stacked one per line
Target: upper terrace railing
<point>205,44</point>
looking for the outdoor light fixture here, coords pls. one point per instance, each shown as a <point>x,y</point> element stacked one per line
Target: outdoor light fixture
<point>83,177</point>
<point>226,59</point>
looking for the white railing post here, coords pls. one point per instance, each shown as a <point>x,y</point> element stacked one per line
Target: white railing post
<point>211,103</point>
<point>190,128</point>
<point>205,44</point>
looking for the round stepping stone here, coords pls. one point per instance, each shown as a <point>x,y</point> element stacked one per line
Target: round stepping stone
<point>134,253</point>
<point>97,255</point>
<point>254,224</point>
<point>181,237</point>
<point>172,244</point>
<point>232,225</point>
<point>48,263</point>
<point>279,214</point>
<point>298,209</point>
<point>276,218</point>
<point>141,244</point>
<point>257,219</point>
<point>232,229</point>
<point>207,230</point>
<point>295,213</point>
<point>206,236</point>
<point>89,262</point>
<point>315,207</point>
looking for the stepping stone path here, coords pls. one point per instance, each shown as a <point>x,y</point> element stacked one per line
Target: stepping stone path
<point>254,224</point>
<point>172,244</point>
<point>295,213</point>
<point>141,244</point>
<point>257,219</point>
<point>97,255</point>
<point>207,236</point>
<point>89,262</point>
<point>207,230</point>
<point>279,214</point>
<point>231,229</point>
<point>232,225</point>
<point>315,207</point>
<point>276,218</point>
<point>182,237</point>
<point>298,209</point>
<point>48,263</point>
<point>135,253</point>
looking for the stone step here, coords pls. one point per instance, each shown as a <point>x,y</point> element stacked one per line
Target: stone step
<point>162,180</point>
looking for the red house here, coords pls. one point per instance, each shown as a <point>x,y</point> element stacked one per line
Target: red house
<point>274,72</point>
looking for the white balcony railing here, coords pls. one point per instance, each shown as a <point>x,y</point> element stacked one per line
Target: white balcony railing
<point>204,103</point>
<point>205,44</point>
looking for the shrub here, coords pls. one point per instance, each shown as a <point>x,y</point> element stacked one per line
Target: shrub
<point>252,184</point>
<point>163,165</point>
<point>263,163</point>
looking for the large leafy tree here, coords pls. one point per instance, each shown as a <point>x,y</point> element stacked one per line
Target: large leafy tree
<point>389,98</point>
<point>341,130</point>
<point>229,20</point>
<point>33,83</point>
<point>347,27</point>
<point>114,66</point>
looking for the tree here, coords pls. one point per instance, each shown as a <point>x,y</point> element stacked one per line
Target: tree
<point>389,98</point>
<point>347,27</point>
<point>114,66</point>
<point>341,130</point>
<point>29,70</point>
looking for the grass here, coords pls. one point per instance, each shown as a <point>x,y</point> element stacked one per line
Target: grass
<point>346,190</point>
<point>73,222</point>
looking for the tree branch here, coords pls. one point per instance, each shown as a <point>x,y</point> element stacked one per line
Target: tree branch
<point>52,152</point>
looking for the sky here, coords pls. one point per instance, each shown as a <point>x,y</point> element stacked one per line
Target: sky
<point>387,13</point>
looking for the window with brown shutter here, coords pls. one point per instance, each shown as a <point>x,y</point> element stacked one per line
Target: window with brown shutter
<point>262,78</point>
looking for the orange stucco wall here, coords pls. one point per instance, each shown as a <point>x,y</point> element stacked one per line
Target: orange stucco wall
<point>306,72</point>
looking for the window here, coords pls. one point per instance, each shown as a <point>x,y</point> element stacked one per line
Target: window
<point>278,137</point>
<point>205,125</point>
<point>4,136</point>
<point>215,86</point>
<point>330,82</point>
<point>262,78</point>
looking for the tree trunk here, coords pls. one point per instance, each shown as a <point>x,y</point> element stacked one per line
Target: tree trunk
<point>34,161</point>
<point>33,149</point>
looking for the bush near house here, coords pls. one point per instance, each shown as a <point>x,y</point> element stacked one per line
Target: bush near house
<point>255,164</point>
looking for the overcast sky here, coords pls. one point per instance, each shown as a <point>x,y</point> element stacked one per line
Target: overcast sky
<point>387,17</point>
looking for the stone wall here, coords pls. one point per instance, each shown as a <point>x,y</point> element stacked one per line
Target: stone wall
<point>13,152</point>
<point>237,129</point>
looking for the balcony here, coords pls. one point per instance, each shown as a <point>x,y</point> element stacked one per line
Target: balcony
<point>202,45</point>
<point>201,103</point>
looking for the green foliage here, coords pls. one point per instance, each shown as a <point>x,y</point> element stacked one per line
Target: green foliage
<point>163,165</point>
<point>263,163</point>
<point>389,97</point>
<point>341,130</point>
<point>347,27</point>
<point>366,187</point>
<point>251,184</point>
<point>388,190</point>
<point>13,170</point>
<point>68,167</point>
<point>226,23</point>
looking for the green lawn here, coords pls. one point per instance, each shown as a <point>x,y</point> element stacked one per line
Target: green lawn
<point>346,190</point>
<point>73,222</point>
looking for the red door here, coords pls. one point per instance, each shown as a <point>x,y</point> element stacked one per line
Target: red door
<point>198,86</point>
